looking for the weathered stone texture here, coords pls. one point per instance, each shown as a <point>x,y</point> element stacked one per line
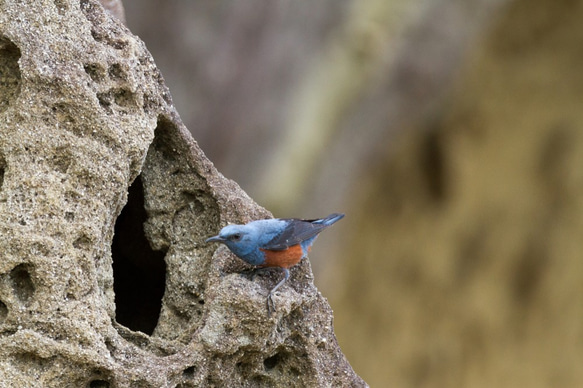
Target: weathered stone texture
<point>84,113</point>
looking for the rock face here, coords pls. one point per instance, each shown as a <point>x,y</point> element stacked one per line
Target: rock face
<point>95,292</point>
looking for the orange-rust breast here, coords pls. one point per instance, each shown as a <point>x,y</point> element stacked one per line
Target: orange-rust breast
<point>286,259</point>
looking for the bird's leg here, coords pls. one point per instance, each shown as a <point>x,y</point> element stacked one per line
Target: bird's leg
<point>270,304</point>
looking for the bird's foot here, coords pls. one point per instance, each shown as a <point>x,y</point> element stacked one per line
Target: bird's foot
<point>270,304</point>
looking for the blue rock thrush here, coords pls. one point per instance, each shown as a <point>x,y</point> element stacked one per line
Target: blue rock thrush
<point>278,242</point>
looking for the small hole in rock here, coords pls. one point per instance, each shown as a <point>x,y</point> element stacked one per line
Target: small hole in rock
<point>116,72</point>
<point>98,384</point>
<point>139,273</point>
<point>105,100</point>
<point>271,362</point>
<point>189,372</point>
<point>94,71</point>
<point>124,98</point>
<point>10,78</point>
<point>3,311</point>
<point>2,170</point>
<point>21,282</point>
<point>294,371</point>
<point>82,242</point>
<point>62,6</point>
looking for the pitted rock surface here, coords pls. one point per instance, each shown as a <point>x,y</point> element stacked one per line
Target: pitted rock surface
<point>85,119</point>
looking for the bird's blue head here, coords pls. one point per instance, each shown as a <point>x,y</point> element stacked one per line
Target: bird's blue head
<point>240,239</point>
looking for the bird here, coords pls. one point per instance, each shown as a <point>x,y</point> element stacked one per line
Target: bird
<point>276,242</point>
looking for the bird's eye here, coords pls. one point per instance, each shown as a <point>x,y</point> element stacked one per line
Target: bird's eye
<point>236,237</point>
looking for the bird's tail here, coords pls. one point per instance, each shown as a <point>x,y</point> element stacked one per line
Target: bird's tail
<point>332,218</point>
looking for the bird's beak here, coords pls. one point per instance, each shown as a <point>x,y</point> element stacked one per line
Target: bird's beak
<point>215,239</point>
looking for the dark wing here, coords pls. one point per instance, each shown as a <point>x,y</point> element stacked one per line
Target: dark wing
<point>295,232</point>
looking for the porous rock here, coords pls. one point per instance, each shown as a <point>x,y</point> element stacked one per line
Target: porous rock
<point>84,113</point>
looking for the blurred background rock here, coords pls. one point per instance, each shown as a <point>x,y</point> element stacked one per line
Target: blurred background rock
<point>449,132</point>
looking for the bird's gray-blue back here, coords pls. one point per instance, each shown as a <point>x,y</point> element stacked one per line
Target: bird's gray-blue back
<point>267,230</point>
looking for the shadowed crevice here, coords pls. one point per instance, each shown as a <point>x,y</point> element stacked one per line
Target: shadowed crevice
<point>22,284</point>
<point>98,384</point>
<point>3,312</point>
<point>139,272</point>
<point>2,171</point>
<point>273,361</point>
<point>10,78</point>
